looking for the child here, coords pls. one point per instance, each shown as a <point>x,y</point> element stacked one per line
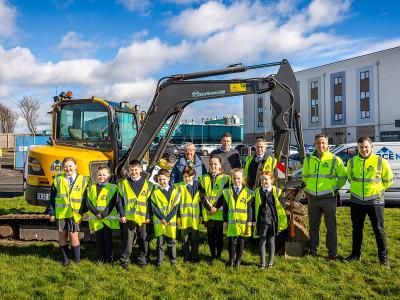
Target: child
<point>189,214</point>
<point>134,209</point>
<point>66,207</point>
<point>165,202</point>
<point>269,215</point>
<point>103,218</point>
<point>211,187</point>
<point>237,216</point>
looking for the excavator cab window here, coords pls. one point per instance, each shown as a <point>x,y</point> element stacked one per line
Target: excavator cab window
<point>84,124</point>
<point>126,131</point>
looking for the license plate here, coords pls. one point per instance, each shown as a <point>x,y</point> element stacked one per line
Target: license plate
<point>43,196</point>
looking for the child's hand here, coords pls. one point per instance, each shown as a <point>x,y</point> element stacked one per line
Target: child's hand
<point>122,220</point>
<point>213,210</point>
<point>164,222</point>
<point>52,219</point>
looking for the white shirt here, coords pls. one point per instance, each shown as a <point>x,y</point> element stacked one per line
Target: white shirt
<point>269,189</point>
<point>133,179</point>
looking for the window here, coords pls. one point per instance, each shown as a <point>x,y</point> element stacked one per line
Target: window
<point>260,112</point>
<point>348,153</point>
<point>364,75</point>
<point>314,84</point>
<point>338,80</point>
<point>338,117</point>
<point>364,95</point>
<point>314,119</point>
<point>338,98</point>
<point>126,129</point>
<point>365,114</point>
<point>390,136</point>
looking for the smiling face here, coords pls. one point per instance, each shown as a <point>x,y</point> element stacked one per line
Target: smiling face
<point>189,152</point>
<point>134,171</point>
<point>103,175</point>
<point>70,168</point>
<point>237,178</point>
<point>321,144</point>
<point>188,178</point>
<point>260,148</point>
<point>226,143</point>
<point>215,166</point>
<point>266,181</point>
<point>365,149</point>
<point>162,180</point>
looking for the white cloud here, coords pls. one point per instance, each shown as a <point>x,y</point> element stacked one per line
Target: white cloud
<point>73,46</point>
<point>140,6</point>
<point>8,15</point>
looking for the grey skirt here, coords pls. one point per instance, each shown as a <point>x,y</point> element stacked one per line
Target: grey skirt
<point>67,224</point>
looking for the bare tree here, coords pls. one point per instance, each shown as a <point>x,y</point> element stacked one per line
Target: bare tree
<point>30,112</point>
<point>8,119</point>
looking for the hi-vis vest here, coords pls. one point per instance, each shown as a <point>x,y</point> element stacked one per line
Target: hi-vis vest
<point>369,177</point>
<point>212,194</point>
<point>165,206</point>
<point>189,208</point>
<point>135,206</point>
<point>280,211</point>
<point>323,176</point>
<point>68,201</point>
<point>101,201</point>
<point>269,165</point>
<point>237,211</point>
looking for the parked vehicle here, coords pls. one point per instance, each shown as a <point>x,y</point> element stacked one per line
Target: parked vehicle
<point>171,152</point>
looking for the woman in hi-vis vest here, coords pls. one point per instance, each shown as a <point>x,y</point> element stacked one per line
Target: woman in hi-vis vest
<point>66,207</point>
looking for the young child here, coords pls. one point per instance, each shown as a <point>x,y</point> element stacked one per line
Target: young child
<point>134,209</point>
<point>237,216</point>
<point>211,186</point>
<point>165,202</point>
<point>66,207</point>
<point>103,218</point>
<point>189,214</point>
<point>269,216</point>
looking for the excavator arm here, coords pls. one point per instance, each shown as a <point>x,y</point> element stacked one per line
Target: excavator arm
<point>176,92</point>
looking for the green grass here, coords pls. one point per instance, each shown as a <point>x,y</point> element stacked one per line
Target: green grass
<point>18,205</point>
<point>33,271</point>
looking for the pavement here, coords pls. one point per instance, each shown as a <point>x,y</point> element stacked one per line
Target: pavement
<point>11,183</point>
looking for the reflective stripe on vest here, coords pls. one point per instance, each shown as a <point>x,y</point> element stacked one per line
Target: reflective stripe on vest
<point>322,181</point>
<point>237,211</point>
<point>101,201</point>
<point>213,192</point>
<point>366,178</point>
<point>280,210</point>
<point>165,206</point>
<point>68,201</point>
<point>135,206</point>
<point>189,208</point>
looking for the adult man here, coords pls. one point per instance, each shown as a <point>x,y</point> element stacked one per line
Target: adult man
<point>369,176</point>
<point>257,163</point>
<point>189,158</point>
<point>230,157</point>
<point>323,173</point>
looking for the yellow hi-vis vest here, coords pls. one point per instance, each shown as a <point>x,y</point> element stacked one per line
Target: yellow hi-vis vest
<point>269,165</point>
<point>101,201</point>
<point>212,194</point>
<point>189,208</point>
<point>165,206</point>
<point>369,177</point>
<point>237,211</point>
<point>323,176</point>
<point>280,211</point>
<point>68,201</point>
<point>135,206</point>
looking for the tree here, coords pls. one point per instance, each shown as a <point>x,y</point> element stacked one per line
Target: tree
<point>30,112</point>
<point>8,119</point>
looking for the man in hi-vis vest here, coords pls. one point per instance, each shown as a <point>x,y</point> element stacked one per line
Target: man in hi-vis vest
<point>369,176</point>
<point>324,174</point>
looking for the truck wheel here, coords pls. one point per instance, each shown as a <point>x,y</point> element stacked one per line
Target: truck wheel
<point>172,158</point>
<point>205,153</point>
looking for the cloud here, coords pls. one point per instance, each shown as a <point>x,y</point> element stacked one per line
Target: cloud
<point>73,46</point>
<point>8,15</point>
<point>140,6</point>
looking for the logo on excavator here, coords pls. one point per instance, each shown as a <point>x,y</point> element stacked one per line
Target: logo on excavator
<point>237,87</point>
<point>210,93</point>
<point>56,166</point>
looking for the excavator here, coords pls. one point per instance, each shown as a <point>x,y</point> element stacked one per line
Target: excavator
<point>121,133</point>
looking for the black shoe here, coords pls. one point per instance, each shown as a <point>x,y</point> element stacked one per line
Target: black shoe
<point>195,260</point>
<point>261,267</point>
<point>352,257</point>
<point>237,263</point>
<point>331,258</point>
<point>385,263</point>
<point>125,266</point>
<point>230,264</point>
<point>64,263</point>
<point>313,252</point>
<point>270,265</point>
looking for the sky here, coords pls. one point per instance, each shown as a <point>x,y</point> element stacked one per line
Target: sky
<point>118,49</point>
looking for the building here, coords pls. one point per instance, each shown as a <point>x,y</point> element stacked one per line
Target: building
<point>345,99</point>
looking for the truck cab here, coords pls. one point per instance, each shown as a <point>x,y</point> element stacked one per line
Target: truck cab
<point>93,131</point>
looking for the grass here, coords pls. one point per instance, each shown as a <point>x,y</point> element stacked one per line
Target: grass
<point>18,205</point>
<point>33,271</point>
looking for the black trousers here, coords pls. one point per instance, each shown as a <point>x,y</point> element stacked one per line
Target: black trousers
<point>215,234</point>
<point>130,231</point>
<point>171,245</point>
<point>104,244</point>
<point>375,214</point>
<point>190,247</point>
<point>236,246</point>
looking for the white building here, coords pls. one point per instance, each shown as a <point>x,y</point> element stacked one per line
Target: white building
<point>346,99</point>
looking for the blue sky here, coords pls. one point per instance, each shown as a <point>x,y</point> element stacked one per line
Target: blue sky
<point>118,49</point>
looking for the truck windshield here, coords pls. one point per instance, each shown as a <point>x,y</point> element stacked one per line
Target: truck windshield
<point>84,124</point>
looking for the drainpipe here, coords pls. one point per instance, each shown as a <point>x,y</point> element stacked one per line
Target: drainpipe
<point>378,101</point>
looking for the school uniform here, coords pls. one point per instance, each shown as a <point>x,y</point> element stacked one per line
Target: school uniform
<point>270,218</point>
<point>133,202</point>
<point>237,212</point>
<point>165,204</point>
<point>101,200</point>
<point>189,214</point>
